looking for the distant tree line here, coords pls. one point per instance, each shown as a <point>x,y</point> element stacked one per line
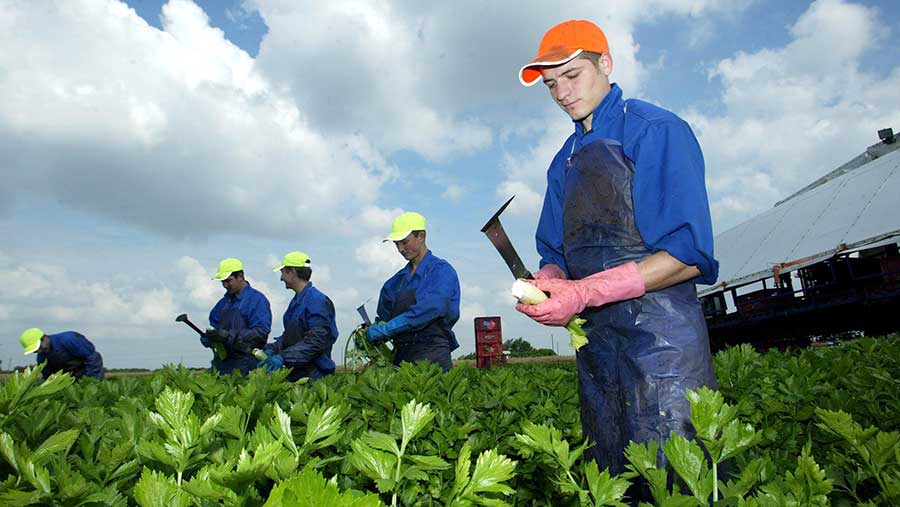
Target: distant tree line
<point>518,347</point>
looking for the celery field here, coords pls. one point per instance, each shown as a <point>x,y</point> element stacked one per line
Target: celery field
<point>811,428</point>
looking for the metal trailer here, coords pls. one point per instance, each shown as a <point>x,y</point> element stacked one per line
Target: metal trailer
<point>822,263</point>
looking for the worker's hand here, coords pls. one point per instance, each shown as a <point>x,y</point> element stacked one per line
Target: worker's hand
<point>217,335</point>
<point>570,297</point>
<point>272,363</point>
<point>377,332</point>
<point>205,341</point>
<point>550,272</point>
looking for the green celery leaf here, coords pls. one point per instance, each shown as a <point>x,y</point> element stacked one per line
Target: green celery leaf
<point>310,489</point>
<point>8,450</point>
<point>373,463</point>
<point>20,498</point>
<point>462,469</point>
<point>155,489</point>
<point>281,428</point>
<point>210,424</point>
<point>385,485</point>
<point>54,384</point>
<point>38,476</point>
<point>428,462</point>
<point>57,443</point>
<point>381,441</point>
<point>234,421</point>
<point>808,483</point>
<point>737,438</point>
<point>605,490</point>
<point>686,457</point>
<point>413,473</point>
<point>491,469</point>
<point>705,407</point>
<point>414,417</point>
<point>205,489</point>
<point>323,427</point>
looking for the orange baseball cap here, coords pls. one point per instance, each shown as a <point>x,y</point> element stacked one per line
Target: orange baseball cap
<point>562,43</point>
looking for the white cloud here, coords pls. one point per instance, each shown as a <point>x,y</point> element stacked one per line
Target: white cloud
<point>794,113</point>
<point>378,259</point>
<point>454,192</point>
<point>373,219</point>
<point>175,131</point>
<point>201,291</point>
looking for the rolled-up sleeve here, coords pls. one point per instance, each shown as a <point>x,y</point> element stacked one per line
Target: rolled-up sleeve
<point>671,206</point>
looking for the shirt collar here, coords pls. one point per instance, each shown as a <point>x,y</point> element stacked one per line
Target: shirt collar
<point>240,295</point>
<point>425,261</point>
<point>303,292</point>
<point>606,106</point>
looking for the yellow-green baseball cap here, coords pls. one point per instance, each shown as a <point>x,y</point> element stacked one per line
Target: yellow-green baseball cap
<point>294,260</point>
<point>405,224</point>
<point>227,267</point>
<point>31,340</point>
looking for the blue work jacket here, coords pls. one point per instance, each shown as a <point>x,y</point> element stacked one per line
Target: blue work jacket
<point>671,208</point>
<point>310,331</point>
<point>436,286</point>
<point>71,352</point>
<point>248,319</point>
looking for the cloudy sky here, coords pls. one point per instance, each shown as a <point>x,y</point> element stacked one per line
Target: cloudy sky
<point>143,141</point>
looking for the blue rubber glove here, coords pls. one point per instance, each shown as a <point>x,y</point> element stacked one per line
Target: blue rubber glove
<point>384,331</point>
<point>205,342</point>
<point>273,363</point>
<point>377,333</point>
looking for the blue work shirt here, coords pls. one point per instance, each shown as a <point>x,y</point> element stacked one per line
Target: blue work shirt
<point>310,331</point>
<point>71,352</point>
<point>671,208</point>
<point>248,319</point>
<point>436,286</point>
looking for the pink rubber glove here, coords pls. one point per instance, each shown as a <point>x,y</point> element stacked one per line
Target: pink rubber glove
<point>550,272</point>
<point>570,297</point>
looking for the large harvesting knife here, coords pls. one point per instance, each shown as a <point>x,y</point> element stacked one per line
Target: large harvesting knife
<point>361,309</point>
<point>495,233</point>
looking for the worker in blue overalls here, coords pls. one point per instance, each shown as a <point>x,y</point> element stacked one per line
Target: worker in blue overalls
<point>419,305</point>
<point>240,321</point>
<point>68,352</point>
<point>624,235</point>
<point>309,325</point>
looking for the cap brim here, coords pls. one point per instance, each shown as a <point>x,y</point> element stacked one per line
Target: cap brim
<point>35,349</point>
<point>279,268</point>
<point>397,236</point>
<point>220,276</point>
<point>530,74</point>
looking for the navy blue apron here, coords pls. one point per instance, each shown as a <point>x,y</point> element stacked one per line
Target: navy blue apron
<point>431,343</point>
<point>319,367</point>
<point>59,359</point>
<point>232,320</point>
<point>643,353</point>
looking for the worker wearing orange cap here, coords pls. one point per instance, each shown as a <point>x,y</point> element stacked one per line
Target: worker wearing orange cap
<point>624,235</point>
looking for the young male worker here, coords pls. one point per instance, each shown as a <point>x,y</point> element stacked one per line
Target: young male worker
<point>419,304</point>
<point>624,235</point>
<point>68,352</point>
<point>240,321</point>
<point>309,326</point>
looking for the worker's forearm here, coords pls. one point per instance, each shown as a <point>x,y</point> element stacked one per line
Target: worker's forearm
<point>661,270</point>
